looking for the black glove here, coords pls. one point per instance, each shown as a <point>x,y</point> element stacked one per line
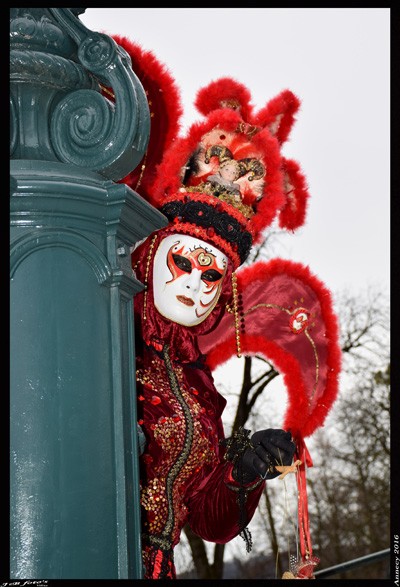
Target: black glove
<point>270,448</point>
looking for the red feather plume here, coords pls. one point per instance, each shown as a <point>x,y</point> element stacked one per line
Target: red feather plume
<point>279,115</point>
<point>224,90</point>
<point>165,112</point>
<point>293,214</point>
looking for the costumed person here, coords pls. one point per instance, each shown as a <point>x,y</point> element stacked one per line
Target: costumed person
<point>198,308</point>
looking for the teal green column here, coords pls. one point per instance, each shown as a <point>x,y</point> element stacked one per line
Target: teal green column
<point>74,488</point>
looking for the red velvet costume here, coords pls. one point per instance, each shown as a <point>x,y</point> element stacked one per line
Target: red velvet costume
<point>184,477</point>
<point>275,309</point>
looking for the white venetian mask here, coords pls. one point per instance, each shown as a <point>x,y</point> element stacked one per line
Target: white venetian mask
<point>187,278</point>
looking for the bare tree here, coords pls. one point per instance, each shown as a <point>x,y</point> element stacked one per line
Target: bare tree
<point>352,486</point>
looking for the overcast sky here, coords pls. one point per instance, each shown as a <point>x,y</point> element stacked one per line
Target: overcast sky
<point>336,60</point>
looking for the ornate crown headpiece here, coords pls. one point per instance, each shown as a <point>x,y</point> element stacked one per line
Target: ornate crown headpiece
<point>226,180</point>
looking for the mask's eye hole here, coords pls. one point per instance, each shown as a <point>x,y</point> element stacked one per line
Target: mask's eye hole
<point>182,263</point>
<point>211,275</point>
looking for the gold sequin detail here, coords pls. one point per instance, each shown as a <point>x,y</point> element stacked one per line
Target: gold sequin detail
<point>186,449</point>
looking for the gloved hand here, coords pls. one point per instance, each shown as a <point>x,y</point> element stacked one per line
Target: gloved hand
<point>270,448</point>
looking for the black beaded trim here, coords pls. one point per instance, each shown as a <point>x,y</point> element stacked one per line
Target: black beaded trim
<point>236,445</point>
<point>208,216</point>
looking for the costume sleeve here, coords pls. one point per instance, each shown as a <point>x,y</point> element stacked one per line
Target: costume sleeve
<point>214,511</point>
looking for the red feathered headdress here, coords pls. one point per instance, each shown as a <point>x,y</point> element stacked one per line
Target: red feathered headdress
<point>226,180</point>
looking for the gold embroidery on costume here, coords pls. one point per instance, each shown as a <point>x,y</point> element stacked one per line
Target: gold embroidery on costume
<point>185,446</point>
